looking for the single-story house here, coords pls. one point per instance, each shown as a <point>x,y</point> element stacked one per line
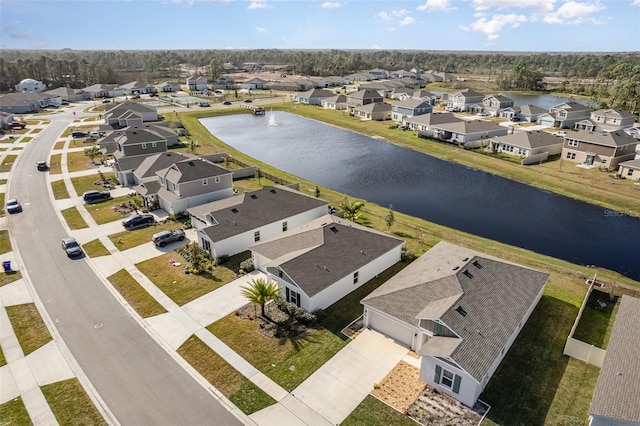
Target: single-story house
<point>313,96</point>
<point>470,134</point>
<point>103,91</point>
<point>530,113</point>
<point>604,149</point>
<point>129,114</point>
<point>339,102</point>
<point>253,84</point>
<point>459,309</point>
<point>402,110</point>
<point>535,144</point>
<point>378,111</point>
<point>168,87</point>
<point>320,262</point>
<point>424,123</point>
<point>68,94</point>
<point>27,102</point>
<point>230,226</point>
<point>630,169</point>
<point>616,399</point>
<point>136,87</point>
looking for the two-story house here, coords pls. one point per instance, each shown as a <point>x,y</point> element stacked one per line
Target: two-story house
<point>109,144</point>
<point>604,149</point>
<point>320,262</point>
<point>197,83</point>
<point>229,226</point>
<point>493,104</point>
<point>464,100</point>
<point>363,97</point>
<point>192,182</point>
<point>409,108</point>
<point>145,176</point>
<point>565,115</point>
<point>460,310</point>
<point>224,82</point>
<point>133,145</point>
<point>606,120</point>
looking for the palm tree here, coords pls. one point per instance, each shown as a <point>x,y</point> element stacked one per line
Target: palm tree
<point>260,292</point>
<point>351,209</point>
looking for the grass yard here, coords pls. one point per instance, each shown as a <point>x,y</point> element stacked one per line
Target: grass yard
<point>77,161</point>
<point>73,218</point>
<point>2,212</point>
<point>7,163</point>
<point>59,145</point>
<point>95,248</point>
<point>26,139</point>
<point>70,404</point>
<point>14,413</point>
<point>103,212</point>
<point>596,322</point>
<point>8,278</point>
<point>28,326</point>
<point>373,412</point>
<point>241,391</point>
<point>141,301</point>
<point>3,360</point>
<point>183,288</point>
<point>127,239</point>
<point>5,244</point>
<point>87,183</point>
<point>55,164</point>
<point>59,190</point>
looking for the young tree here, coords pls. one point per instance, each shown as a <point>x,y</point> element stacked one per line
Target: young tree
<point>260,292</point>
<point>317,191</point>
<point>390,219</point>
<point>351,209</point>
<point>92,152</point>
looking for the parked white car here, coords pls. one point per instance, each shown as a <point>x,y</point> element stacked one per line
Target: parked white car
<point>560,133</point>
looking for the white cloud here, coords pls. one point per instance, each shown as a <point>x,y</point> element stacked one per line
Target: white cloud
<point>573,12</point>
<point>399,13</point>
<point>261,30</point>
<point>383,16</point>
<point>493,27</point>
<point>635,3</point>
<point>407,21</point>
<point>540,6</point>
<point>331,5</point>
<point>376,46</point>
<point>435,6</point>
<point>258,4</point>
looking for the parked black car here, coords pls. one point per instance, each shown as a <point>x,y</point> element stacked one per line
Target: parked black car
<point>42,166</point>
<point>92,197</point>
<point>78,135</point>
<point>138,221</point>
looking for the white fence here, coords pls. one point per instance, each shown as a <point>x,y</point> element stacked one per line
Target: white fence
<point>535,158</point>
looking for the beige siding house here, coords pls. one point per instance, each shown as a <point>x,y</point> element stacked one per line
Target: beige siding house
<point>604,149</point>
<point>378,111</point>
<point>424,123</point>
<point>535,144</point>
<point>606,120</point>
<point>630,169</point>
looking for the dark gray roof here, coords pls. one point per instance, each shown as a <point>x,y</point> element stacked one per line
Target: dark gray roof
<point>495,299</point>
<point>148,188</point>
<point>316,93</point>
<point>612,139</point>
<point>533,139</point>
<point>254,209</point>
<point>160,161</point>
<point>532,110</point>
<point>365,94</point>
<point>131,136</point>
<point>617,393</point>
<point>129,106</point>
<point>375,107</point>
<point>124,163</point>
<point>475,126</point>
<point>434,118</point>
<point>191,170</point>
<point>326,251</point>
<point>412,103</point>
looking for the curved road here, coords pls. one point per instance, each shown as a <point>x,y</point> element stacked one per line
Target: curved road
<point>140,383</point>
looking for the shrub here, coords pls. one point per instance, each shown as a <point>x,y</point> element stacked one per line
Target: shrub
<point>222,259</point>
<point>407,255</point>
<point>198,259</point>
<point>295,312</point>
<point>247,265</point>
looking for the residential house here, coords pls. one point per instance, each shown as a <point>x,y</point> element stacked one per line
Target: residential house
<point>231,225</point>
<point>460,310</point>
<point>254,84</point>
<point>493,104</point>
<point>318,263</point>
<point>606,120</point>
<point>362,97</point>
<point>431,77</point>
<point>378,74</point>
<point>197,83</point>
<point>464,99</point>
<point>445,76</point>
<point>425,96</point>
<point>339,103</point>
<point>27,102</point>
<point>313,96</point>
<point>630,169</point>
<point>536,145</point>
<point>378,111</point>
<point>604,149</point>
<point>30,85</point>
<point>109,143</point>
<point>359,77</point>
<point>469,134</point>
<point>146,180</point>
<point>509,113</point>
<point>192,182</point>
<point>404,74</point>
<point>168,87</point>
<point>401,93</point>
<point>68,94</point>
<point>530,113</point>
<point>133,145</point>
<point>424,123</point>
<point>129,114</point>
<point>565,115</point>
<point>224,82</point>
<point>103,91</point>
<point>409,108</point>
<point>616,397</point>
<point>5,119</point>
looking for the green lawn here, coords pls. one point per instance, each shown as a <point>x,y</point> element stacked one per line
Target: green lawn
<point>95,249</point>
<point>77,161</point>
<point>59,190</point>
<point>14,413</point>
<point>7,278</point>
<point>5,244</point>
<point>596,322</point>
<point>3,360</point>
<point>127,239</point>
<point>70,404</point>
<point>373,412</point>
<point>183,288</point>
<point>55,166</point>
<point>141,301</point>
<point>7,163</point>
<point>87,183</point>
<point>28,326</point>
<point>73,218</point>
<point>241,392</point>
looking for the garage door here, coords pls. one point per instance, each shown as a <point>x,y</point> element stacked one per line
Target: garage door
<point>393,329</point>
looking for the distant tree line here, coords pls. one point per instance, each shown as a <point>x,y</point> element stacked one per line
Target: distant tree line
<point>615,75</point>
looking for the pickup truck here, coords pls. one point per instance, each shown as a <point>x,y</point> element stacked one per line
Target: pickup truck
<point>165,237</point>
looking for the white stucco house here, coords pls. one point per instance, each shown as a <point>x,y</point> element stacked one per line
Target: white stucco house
<point>30,85</point>
<point>318,263</point>
<point>460,310</point>
<point>229,226</point>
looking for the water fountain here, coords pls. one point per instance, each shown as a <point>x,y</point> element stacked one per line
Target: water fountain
<point>272,120</point>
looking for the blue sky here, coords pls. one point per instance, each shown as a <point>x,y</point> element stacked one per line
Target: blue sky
<point>486,25</point>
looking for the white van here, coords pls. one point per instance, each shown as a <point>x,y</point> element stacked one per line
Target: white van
<point>94,134</point>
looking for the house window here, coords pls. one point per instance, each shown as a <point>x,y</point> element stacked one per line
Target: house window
<point>293,297</point>
<point>256,236</point>
<point>447,379</point>
<point>571,155</point>
<point>630,172</point>
<point>205,182</point>
<point>285,226</point>
<point>144,146</point>
<point>573,142</point>
<point>153,144</point>
<point>217,179</point>
<point>206,244</point>
<point>355,277</point>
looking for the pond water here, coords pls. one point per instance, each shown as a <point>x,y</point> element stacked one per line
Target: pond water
<point>438,191</point>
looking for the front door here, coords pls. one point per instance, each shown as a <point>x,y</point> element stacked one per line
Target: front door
<point>589,160</point>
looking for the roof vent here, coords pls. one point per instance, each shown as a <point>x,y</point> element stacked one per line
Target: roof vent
<point>254,196</point>
<point>334,229</point>
<point>234,210</point>
<point>191,163</point>
<point>456,268</point>
<point>465,259</point>
<point>477,264</point>
<point>461,311</point>
<point>273,191</point>
<point>467,273</point>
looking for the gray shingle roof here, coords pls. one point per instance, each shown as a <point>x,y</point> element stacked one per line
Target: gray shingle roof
<point>191,170</point>
<point>632,164</point>
<point>435,118</point>
<point>532,110</point>
<point>160,161</point>
<point>467,127</point>
<point>617,393</point>
<point>269,205</point>
<point>129,106</point>
<point>495,299</point>
<point>613,139</point>
<point>327,250</point>
<point>533,139</point>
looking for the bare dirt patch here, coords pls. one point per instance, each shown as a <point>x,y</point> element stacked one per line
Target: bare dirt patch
<point>401,387</point>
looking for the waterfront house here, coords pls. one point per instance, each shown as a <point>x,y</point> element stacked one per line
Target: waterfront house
<point>604,149</point>
<point>318,263</point>
<point>339,103</point>
<point>493,104</point>
<point>363,97</point>
<point>630,169</point>
<point>536,146</point>
<point>469,134</point>
<point>565,115</point>
<point>423,124</point>
<point>606,120</point>
<point>229,226</point>
<point>464,99</point>
<point>616,398</point>
<point>402,110</point>
<point>460,310</point>
<point>313,96</point>
<point>378,111</point>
